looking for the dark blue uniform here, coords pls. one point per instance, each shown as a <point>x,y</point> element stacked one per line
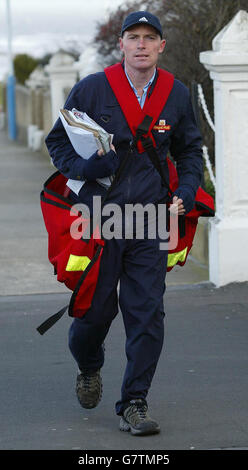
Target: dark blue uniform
<point>139,265</point>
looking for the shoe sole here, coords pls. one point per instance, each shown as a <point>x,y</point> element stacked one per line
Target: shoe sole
<point>126,427</point>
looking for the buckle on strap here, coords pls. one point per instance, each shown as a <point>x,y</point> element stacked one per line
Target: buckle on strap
<point>147,143</point>
<point>142,129</point>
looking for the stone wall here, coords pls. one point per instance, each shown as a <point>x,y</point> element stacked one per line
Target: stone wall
<point>24,114</point>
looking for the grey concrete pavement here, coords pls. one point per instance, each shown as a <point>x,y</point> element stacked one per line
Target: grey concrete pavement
<point>199,393</point>
<point>23,258</point>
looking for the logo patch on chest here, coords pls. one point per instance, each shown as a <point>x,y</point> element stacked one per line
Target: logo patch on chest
<point>162,126</point>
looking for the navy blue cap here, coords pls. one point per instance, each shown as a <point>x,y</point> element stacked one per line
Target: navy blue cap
<point>141,17</point>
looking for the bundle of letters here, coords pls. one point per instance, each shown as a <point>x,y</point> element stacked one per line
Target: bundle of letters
<point>86,137</point>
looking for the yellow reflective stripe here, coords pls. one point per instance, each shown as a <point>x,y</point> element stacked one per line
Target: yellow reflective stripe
<point>173,258</point>
<point>77,263</point>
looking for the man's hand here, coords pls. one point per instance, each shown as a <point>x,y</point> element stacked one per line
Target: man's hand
<point>177,207</point>
<point>100,165</point>
<point>100,152</point>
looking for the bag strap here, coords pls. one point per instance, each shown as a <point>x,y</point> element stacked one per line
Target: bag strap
<point>47,324</point>
<point>154,103</point>
<point>153,155</point>
<point>150,149</point>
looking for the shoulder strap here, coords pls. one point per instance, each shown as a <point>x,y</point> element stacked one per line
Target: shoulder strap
<point>142,121</point>
<point>152,154</point>
<point>150,149</point>
<point>129,104</point>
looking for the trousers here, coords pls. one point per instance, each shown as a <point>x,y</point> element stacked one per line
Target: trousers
<point>138,267</point>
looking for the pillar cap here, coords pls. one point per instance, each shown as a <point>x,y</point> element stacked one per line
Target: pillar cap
<point>233,37</point>
<point>229,57</point>
<point>230,47</point>
<point>61,62</point>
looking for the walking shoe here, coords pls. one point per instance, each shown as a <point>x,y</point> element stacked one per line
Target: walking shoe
<point>136,419</point>
<point>89,388</point>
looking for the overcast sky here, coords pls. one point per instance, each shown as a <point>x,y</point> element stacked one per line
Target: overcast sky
<point>51,15</point>
<point>55,16</point>
<point>43,26</point>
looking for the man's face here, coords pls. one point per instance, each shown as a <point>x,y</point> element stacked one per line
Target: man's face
<point>141,46</point>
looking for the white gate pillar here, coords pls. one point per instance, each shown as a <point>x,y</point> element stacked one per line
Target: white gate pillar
<point>63,76</point>
<point>228,234</point>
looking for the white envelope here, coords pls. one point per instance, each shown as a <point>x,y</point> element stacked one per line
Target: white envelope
<point>85,144</point>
